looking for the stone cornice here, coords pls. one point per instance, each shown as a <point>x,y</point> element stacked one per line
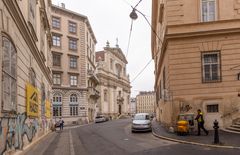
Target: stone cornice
<point>113,82</point>
<point>19,20</point>
<point>69,88</point>
<point>202,29</point>
<point>194,30</point>
<point>104,72</point>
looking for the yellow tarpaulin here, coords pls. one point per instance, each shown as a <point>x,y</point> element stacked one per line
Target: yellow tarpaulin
<point>32,101</point>
<point>48,109</point>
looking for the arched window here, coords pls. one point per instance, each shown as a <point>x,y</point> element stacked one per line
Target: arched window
<point>57,99</point>
<point>57,105</point>
<point>73,105</point>
<point>9,76</point>
<point>73,98</point>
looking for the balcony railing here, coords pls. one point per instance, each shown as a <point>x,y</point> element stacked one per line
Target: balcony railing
<point>93,92</point>
<point>92,75</point>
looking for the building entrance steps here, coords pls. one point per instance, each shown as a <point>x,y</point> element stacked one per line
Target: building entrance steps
<point>234,128</point>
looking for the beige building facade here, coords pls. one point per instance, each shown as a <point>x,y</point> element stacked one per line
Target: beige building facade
<point>114,82</point>
<point>73,56</point>
<point>196,53</point>
<point>145,102</point>
<point>133,106</point>
<point>25,42</point>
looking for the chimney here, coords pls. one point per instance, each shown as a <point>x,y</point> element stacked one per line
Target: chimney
<point>63,5</point>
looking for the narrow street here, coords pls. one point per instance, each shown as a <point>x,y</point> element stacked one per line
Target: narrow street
<point>114,138</point>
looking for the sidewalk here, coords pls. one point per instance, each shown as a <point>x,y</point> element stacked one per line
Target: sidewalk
<point>228,140</point>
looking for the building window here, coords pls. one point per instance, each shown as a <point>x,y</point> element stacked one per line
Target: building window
<point>118,70</point>
<point>164,78</point>
<point>56,22</point>
<point>111,63</point>
<point>73,105</point>
<point>73,80</point>
<point>212,108</point>
<point>56,40</point>
<point>72,44</point>
<point>33,77</point>
<point>43,99</point>
<point>73,62</point>
<point>57,110</point>
<point>72,27</point>
<point>56,60</point>
<point>56,78</point>
<point>32,5</point>
<point>73,110</point>
<point>9,76</point>
<point>208,10</point>
<point>105,95</point>
<point>211,67</point>
<point>57,105</point>
<point>124,71</point>
<point>57,99</point>
<point>73,99</point>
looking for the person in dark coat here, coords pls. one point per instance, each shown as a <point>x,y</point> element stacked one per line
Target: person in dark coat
<point>200,121</point>
<point>61,124</point>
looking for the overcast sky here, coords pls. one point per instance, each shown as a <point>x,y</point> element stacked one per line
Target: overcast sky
<point>109,20</point>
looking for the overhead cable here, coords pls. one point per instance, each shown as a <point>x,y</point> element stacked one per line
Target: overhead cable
<point>155,53</point>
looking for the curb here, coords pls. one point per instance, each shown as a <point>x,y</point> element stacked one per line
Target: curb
<point>76,126</point>
<point>21,152</point>
<point>194,143</point>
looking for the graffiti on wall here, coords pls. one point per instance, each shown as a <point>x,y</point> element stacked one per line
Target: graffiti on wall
<point>13,130</point>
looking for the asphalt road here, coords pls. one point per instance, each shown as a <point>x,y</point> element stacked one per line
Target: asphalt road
<point>115,138</point>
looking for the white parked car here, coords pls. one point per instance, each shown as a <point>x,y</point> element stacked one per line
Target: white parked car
<point>100,118</point>
<point>141,122</point>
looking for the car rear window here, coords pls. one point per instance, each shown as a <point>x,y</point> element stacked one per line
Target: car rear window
<point>99,117</point>
<point>141,117</point>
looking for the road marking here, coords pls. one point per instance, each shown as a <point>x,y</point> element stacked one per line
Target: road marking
<point>71,144</point>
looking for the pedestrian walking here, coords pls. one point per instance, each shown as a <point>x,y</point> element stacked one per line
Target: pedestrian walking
<point>200,121</point>
<point>61,124</point>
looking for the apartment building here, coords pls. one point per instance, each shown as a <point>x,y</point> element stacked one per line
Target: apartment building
<point>114,84</point>
<point>25,42</point>
<point>196,53</point>
<point>133,106</point>
<point>73,60</point>
<point>145,102</point>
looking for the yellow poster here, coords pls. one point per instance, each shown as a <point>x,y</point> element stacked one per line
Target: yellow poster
<point>48,109</point>
<point>32,101</point>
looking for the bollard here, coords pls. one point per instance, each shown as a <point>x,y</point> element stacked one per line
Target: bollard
<point>216,136</point>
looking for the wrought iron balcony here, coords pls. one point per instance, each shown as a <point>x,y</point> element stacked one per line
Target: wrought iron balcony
<point>93,92</point>
<point>92,75</point>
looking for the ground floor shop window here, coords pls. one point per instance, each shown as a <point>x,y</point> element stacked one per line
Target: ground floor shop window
<point>57,110</point>
<point>73,110</point>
